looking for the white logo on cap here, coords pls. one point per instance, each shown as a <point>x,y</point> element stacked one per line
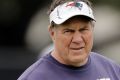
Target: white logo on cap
<point>104,79</point>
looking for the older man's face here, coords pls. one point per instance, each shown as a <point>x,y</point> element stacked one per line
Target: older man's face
<point>73,41</point>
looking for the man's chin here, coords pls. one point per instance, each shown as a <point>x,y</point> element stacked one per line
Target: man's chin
<point>79,60</point>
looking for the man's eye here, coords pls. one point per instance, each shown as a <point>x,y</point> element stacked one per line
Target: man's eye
<point>67,31</point>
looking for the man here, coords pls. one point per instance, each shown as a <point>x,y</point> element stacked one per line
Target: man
<point>71,29</point>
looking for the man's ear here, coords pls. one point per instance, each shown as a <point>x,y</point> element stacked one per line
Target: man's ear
<point>51,32</point>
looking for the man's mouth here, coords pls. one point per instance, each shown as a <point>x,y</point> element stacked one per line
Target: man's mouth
<point>79,48</point>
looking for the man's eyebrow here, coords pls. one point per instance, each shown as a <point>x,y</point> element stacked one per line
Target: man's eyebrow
<point>69,29</point>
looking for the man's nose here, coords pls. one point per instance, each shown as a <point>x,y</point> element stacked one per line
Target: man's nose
<point>77,37</point>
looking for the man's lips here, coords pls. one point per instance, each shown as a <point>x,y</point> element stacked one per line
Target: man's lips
<point>79,48</point>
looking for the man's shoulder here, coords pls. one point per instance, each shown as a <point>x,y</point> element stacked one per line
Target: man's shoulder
<point>35,69</point>
<point>103,61</point>
<point>101,58</point>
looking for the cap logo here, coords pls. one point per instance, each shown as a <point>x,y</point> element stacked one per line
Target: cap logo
<point>72,4</point>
